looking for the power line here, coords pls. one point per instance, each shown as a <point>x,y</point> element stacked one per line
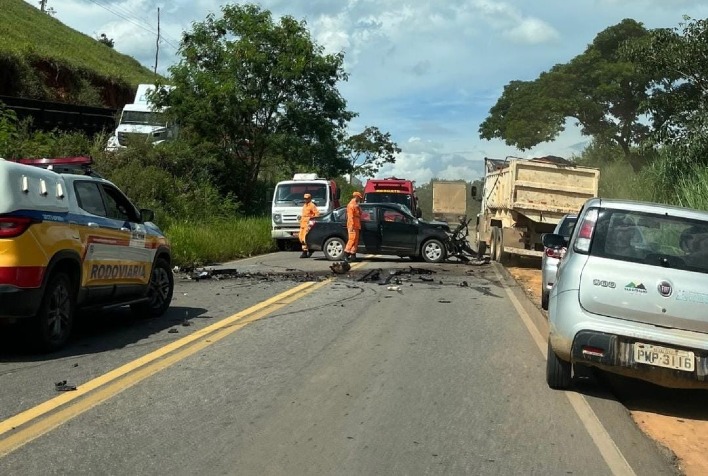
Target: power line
<point>135,21</point>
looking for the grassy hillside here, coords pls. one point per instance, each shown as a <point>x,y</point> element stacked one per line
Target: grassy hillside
<point>42,58</point>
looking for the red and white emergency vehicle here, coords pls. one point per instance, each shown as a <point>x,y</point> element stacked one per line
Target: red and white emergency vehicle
<point>392,190</point>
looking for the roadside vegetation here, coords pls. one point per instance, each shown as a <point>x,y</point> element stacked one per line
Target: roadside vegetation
<point>257,100</point>
<point>41,58</point>
<point>640,95</point>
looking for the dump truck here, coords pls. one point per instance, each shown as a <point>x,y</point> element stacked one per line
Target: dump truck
<point>449,200</point>
<point>521,199</point>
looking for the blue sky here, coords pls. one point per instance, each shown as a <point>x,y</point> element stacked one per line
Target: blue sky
<point>426,71</point>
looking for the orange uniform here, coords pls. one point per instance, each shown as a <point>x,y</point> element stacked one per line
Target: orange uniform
<point>353,224</point>
<point>309,210</point>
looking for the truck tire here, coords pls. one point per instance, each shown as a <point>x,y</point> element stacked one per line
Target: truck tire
<point>333,248</point>
<point>481,247</point>
<point>502,256</point>
<point>493,244</point>
<point>55,317</point>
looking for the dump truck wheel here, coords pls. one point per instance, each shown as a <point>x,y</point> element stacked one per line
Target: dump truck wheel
<point>493,245</point>
<point>481,247</point>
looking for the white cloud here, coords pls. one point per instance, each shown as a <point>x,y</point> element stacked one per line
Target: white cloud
<point>426,71</point>
<point>533,31</point>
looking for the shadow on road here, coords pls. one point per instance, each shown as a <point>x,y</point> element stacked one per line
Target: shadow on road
<point>638,395</point>
<point>96,332</point>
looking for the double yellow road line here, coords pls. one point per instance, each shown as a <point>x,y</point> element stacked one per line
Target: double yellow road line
<point>35,422</point>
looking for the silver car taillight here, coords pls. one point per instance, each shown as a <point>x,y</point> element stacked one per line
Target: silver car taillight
<point>587,227</point>
<point>555,252</point>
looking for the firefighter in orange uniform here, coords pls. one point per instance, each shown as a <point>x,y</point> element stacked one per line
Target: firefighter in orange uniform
<point>353,226</point>
<point>309,210</point>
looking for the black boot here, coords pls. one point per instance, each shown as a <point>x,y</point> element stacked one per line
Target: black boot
<point>304,255</point>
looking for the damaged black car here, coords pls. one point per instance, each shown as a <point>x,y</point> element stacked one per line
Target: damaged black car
<point>386,229</point>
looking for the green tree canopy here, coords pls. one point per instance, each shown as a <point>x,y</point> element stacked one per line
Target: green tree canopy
<point>601,89</point>
<point>677,60</point>
<point>368,151</point>
<point>261,92</point>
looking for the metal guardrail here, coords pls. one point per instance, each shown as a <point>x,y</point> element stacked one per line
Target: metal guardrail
<point>48,116</point>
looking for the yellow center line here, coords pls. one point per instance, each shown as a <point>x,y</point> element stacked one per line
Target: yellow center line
<point>150,367</point>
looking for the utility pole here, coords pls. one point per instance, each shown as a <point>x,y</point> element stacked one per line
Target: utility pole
<point>157,43</point>
<point>42,5</point>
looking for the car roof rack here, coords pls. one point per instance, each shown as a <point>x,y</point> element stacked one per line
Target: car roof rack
<point>79,165</point>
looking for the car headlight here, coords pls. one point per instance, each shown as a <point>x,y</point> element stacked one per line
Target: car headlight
<point>277,218</point>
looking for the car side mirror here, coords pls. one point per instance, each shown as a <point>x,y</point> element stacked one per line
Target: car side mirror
<point>552,240</point>
<point>146,215</point>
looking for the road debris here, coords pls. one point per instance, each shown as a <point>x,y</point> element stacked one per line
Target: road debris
<point>394,275</point>
<point>64,387</point>
<point>173,331</point>
<point>340,267</point>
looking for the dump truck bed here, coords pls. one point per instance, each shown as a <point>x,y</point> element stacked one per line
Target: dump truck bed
<point>449,199</point>
<point>541,189</point>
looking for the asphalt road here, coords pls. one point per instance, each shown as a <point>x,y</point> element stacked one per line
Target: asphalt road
<point>274,366</point>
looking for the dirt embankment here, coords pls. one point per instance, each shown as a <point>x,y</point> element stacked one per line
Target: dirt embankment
<point>676,419</point>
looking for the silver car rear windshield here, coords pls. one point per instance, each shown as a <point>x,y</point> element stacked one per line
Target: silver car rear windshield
<point>659,240</point>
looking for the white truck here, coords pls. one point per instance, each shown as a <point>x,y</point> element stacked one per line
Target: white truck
<point>449,200</point>
<point>288,198</point>
<point>524,198</point>
<point>140,121</point>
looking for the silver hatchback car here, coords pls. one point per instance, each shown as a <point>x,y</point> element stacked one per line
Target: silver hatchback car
<point>551,257</point>
<point>631,295</point>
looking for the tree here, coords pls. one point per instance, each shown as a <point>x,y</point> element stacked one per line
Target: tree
<point>601,89</point>
<point>261,93</point>
<point>368,151</point>
<point>106,41</point>
<point>676,60</point>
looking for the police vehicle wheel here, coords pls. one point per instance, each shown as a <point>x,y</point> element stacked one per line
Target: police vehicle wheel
<point>558,372</point>
<point>161,288</point>
<point>334,248</point>
<point>55,318</point>
<point>433,251</point>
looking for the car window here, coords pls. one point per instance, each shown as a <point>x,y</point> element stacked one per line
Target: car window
<point>118,206</point>
<point>654,239</point>
<point>394,216</point>
<point>367,214</point>
<point>89,197</point>
<point>565,228</point>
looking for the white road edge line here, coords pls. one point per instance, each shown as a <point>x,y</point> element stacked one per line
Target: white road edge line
<point>602,439</point>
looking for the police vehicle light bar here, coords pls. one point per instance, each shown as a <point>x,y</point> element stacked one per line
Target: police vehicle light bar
<point>77,161</point>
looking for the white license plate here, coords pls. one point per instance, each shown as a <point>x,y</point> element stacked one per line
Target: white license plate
<point>664,357</point>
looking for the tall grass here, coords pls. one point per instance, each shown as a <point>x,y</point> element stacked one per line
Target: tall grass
<point>618,180</point>
<point>200,244</point>
<point>26,32</point>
